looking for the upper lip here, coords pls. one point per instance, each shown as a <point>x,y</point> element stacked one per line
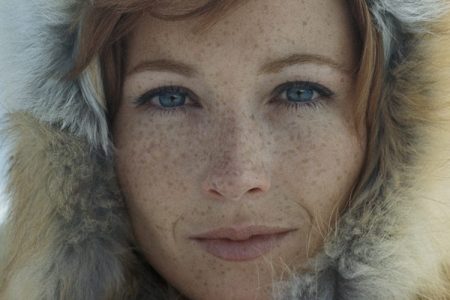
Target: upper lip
<point>240,233</point>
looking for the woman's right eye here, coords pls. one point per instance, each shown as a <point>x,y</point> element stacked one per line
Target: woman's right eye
<point>166,99</point>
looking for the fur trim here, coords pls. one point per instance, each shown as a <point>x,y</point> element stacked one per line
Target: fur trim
<point>55,179</point>
<point>37,55</point>
<point>399,20</point>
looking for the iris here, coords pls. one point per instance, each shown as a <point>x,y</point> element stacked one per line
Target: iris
<point>172,99</point>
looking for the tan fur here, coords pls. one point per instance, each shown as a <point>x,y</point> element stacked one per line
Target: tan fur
<point>27,219</point>
<point>421,189</point>
<point>433,173</point>
<point>42,185</point>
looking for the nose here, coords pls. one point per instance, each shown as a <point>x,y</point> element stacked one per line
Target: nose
<point>238,165</point>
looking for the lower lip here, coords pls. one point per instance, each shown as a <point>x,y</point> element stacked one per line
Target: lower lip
<point>241,250</point>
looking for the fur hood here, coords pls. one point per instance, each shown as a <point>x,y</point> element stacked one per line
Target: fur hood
<point>67,234</point>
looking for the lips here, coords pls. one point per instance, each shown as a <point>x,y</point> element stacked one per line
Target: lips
<point>240,233</point>
<point>240,244</point>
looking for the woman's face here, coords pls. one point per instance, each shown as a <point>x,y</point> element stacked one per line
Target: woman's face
<point>259,130</point>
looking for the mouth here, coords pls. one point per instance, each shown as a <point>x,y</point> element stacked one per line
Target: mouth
<point>241,244</point>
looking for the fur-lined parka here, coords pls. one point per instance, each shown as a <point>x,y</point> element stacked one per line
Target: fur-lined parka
<point>67,235</point>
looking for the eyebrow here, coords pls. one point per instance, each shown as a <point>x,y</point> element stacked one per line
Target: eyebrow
<point>275,66</point>
<point>294,59</point>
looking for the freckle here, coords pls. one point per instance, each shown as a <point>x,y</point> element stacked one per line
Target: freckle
<point>305,23</point>
<point>260,29</point>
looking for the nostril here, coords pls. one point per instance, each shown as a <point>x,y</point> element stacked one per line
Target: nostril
<point>254,190</point>
<point>215,192</point>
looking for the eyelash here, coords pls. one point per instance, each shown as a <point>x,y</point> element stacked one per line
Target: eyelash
<point>323,92</point>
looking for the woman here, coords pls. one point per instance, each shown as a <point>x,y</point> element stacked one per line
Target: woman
<point>226,149</point>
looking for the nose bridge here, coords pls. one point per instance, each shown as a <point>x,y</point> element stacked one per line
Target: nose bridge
<point>238,164</point>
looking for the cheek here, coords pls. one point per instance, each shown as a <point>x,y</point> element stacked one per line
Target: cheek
<point>146,154</point>
<point>320,161</point>
<point>156,164</point>
<point>149,158</point>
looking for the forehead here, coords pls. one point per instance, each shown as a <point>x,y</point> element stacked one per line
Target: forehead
<point>256,30</point>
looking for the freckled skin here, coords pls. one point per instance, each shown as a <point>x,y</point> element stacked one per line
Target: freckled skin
<point>238,159</point>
